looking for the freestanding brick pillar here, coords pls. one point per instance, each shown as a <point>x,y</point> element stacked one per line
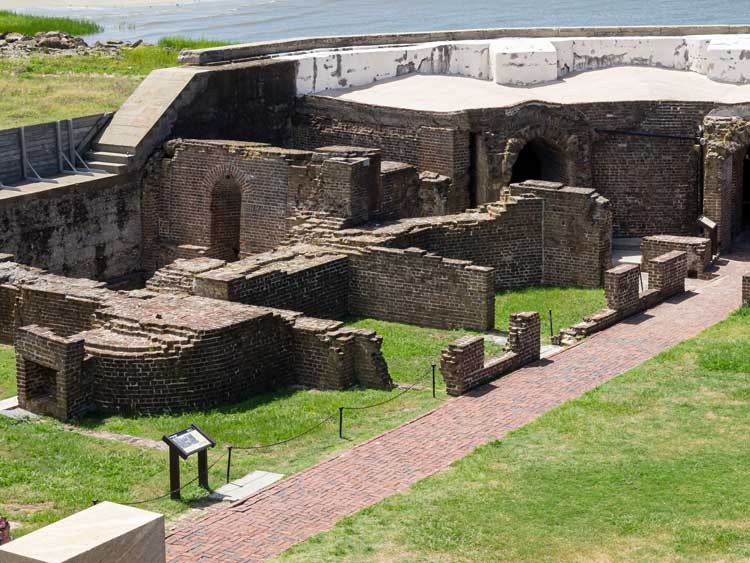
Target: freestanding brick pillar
<point>667,273</point>
<point>51,378</point>
<point>621,286</point>
<point>746,289</point>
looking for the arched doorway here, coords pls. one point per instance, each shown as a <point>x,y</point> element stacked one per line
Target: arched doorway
<point>226,214</point>
<point>539,160</point>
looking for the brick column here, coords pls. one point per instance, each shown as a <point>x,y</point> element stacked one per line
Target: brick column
<point>524,336</point>
<point>746,289</point>
<point>621,286</point>
<point>459,361</point>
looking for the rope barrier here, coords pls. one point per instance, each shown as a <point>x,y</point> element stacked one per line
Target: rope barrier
<point>137,502</point>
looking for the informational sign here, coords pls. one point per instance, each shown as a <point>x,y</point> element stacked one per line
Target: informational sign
<point>189,441</point>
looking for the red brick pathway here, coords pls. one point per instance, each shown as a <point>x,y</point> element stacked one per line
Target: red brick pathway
<point>315,499</point>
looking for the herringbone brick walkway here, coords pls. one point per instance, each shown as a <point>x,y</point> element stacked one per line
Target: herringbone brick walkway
<point>313,500</point>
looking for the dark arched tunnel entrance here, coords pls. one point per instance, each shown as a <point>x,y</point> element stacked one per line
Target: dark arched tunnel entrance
<point>539,160</point>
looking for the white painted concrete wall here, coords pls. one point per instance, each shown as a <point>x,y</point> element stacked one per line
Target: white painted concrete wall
<point>524,61</point>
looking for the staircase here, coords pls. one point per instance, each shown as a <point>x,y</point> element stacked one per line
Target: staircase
<point>113,159</point>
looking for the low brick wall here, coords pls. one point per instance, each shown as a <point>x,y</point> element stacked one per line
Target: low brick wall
<point>698,250</point>
<point>314,285</point>
<point>413,286</point>
<point>51,378</point>
<point>463,364</point>
<point>667,275</point>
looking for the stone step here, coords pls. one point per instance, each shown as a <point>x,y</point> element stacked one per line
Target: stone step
<point>108,167</point>
<point>113,157</point>
<point>120,149</point>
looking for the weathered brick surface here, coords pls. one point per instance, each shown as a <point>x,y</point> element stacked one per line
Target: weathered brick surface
<point>698,250</point>
<point>413,286</point>
<point>50,373</point>
<point>667,273</point>
<point>622,286</point>
<point>746,289</point>
<point>462,363</point>
<point>90,230</point>
<point>577,232</point>
<point>312,501</point>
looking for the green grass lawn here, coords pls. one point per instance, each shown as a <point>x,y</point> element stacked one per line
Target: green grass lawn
<point>264,419</point>
<point>43,88</point>
<point>29,25</point>
<point>568,304</point>
<point>7,372</point>
<point>409,350</point>
<point>652,466</point>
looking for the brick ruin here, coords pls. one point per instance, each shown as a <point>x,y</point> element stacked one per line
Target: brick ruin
<point>244,217</point>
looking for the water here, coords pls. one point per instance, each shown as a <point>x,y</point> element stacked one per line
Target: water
<point>257,20</point>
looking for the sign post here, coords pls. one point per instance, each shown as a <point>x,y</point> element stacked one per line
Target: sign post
<point>183,444</point>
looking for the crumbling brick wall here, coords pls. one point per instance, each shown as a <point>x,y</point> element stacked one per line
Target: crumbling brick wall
<point>507,238</point>
<point>328,355</point>
<point>413,286</point>
<point>698,250</point>
<point>463,365</point>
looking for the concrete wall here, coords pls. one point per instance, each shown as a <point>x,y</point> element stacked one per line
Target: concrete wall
<point>521,61</point>
<point>90,229</point>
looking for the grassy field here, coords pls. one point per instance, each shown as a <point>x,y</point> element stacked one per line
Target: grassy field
<point>652,466</point>
<point>44,88</point>
<point>29,25</point>
<point>7,372</point>
<point>568,304</point>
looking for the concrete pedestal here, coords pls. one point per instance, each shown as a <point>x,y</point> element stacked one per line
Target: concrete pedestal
<point>105,532</point>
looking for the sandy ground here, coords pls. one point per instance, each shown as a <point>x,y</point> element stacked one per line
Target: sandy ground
<point>454,93</point>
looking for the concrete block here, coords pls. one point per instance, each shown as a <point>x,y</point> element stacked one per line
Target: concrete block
<point>105,532</point>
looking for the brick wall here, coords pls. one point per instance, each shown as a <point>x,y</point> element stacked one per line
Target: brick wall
<point>463,365</point>
<point>508,238</point>
<point>183,200</point>
<point>667,273</point>
<point>316,285</point>
<point>328,355</point>
<point>91,229</point>
<point>746,289</point>
<point>412,286</point>
<point>698,250</point>
<point>50,373</point>
<point>577,232</point>
<point>400,189</point>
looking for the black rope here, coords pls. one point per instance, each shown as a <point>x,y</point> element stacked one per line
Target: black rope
<point>134,503</point>
<point>284,441</point>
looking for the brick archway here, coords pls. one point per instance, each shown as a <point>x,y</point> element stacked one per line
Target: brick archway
<point>227,187</point>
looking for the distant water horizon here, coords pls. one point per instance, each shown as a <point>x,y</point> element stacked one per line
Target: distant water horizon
<point>262,20</point>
